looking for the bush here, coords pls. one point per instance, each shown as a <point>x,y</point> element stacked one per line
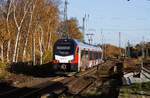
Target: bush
<point>2,65</point>
<point>47,57</point>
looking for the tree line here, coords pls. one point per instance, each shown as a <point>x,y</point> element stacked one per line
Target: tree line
<point>29,28</point>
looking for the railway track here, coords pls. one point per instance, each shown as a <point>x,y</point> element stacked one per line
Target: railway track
<point>55,85</point>
<point>75,84</point>
<point>35,91</point>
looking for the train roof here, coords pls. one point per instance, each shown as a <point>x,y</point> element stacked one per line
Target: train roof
<point>86,46</point>
<point>82,45</point>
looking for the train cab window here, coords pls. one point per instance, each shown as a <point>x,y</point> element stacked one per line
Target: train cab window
<point>64,48</point>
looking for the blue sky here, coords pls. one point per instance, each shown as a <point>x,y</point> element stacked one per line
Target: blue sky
<point>131,18</point>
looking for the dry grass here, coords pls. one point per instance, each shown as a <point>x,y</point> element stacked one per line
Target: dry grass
<point>131,65</point>
<point>112,51</point>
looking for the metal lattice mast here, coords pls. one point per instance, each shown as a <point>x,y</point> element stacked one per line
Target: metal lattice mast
<point>65,10</point>
<point>65,32</point>
<point>83,27</point>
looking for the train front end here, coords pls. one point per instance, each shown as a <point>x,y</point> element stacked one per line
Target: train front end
<point>64,56</point>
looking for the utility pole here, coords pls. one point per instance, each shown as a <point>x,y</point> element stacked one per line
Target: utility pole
<point>102,36</point>
<point>147,54</point>
<point>83,27</point>
<point>65,32</point>
<point>65,10</point>
<point>85,20</point>
<point>119,40</point>
<point>102,43</point>
<point>120,43</point>
<point>128,49</point>
<point>143,42</point>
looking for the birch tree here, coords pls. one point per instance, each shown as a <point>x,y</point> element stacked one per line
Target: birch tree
<point>41,45</point>
<point>18,49</point>
<point>18,25</point>
<point>2,52</point>
<point>2,46</point>
<point>8,29</point>
<point>28,31</point>
<point>33,47</point>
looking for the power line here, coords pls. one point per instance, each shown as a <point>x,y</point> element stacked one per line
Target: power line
<point>136,30</point>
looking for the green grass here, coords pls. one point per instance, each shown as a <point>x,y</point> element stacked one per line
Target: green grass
<point>135,88</point>
<point>140,86</point>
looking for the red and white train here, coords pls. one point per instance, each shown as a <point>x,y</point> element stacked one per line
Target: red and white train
<point>71,55</point>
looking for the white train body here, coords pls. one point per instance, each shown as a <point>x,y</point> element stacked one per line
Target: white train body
<point>72,55</point>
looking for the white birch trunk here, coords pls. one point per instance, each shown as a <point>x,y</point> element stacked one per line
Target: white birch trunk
<point>33,48</point>
<point>49,36</point>
<point>49,41</point>
<point>16,45</point>
<point>7,26</point>
<point>41,52</point>
<point>18,49</point>
<point>2,52</point>
<point>25,48</point>
<point>18,28</point>
<point>26,40</point>
<point>8,50</point>
<point>41,45</point>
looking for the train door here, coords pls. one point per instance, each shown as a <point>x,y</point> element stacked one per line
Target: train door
<point>79,59</point>
<point>84,60</point>
<point>92,58</point>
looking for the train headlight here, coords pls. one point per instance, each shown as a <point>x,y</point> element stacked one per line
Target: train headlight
<point>71,61</point>
<point>55,61</point>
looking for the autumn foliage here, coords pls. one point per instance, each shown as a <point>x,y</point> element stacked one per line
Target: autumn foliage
<point>112,51</point>
<point>29,28</point>
<point>73,29</point>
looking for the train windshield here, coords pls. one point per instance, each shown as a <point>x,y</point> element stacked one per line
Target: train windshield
<point>64,48</point>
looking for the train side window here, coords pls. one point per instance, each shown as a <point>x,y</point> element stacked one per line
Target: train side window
<point>93,56</point>
<point>82,53</point>
<point>96,55</point>
<point>90,55</point>
<point>100,54</point>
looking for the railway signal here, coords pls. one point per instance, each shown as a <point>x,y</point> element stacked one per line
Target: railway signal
<point>90,37</point>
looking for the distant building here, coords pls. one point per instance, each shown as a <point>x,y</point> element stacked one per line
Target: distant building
<point>136,51</point>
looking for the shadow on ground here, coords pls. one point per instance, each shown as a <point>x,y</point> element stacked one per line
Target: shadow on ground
<point>109,89</point>
<point>8,91</point>
<point>27,68</point>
